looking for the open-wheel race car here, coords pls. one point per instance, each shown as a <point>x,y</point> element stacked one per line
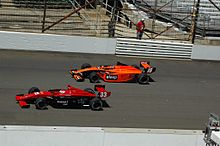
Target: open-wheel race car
<point>70,97</point>
<point>114,73</point>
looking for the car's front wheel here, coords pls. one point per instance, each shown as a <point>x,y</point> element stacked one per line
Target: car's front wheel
<point>41,103</point>
<point>85,65</point>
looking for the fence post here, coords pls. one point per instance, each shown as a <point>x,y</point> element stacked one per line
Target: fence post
<point>44,16</point>
<point>195,18</point>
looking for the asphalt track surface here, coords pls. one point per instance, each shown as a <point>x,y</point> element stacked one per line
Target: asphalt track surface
<point>182,96</point>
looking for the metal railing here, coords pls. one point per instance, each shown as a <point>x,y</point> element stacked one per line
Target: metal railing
<point>155,29</point>
<point>28,16</point>
<point>153,48</point>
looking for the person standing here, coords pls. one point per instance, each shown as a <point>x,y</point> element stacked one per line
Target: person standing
<point>111,28</point>
<point>140,29</point>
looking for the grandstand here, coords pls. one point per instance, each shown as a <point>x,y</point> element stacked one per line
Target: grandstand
<point>208,22</point>
<point>92,19</point>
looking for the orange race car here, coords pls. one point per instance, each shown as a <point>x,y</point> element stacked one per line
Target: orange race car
<point>114,73</point>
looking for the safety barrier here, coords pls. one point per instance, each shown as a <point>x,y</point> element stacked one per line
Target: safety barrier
<point>206,52</point>
<point>151,48</point>
<point>118,46</point>
<point>59,43</point>
<point>11,135</point>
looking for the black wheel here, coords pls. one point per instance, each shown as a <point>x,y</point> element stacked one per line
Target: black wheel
<point>135,66</point>
<point>85,65</point>
<point>41,103</point>
<point>143,79</point>
<point>85,74</point>
<point>93,77</point>
<point>33,89</point>
<point>95,104</point>
<point>89,90</point>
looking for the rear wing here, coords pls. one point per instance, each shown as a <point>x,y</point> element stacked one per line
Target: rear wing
<point>147,67</point>
<point>145,64</point>
<point>102,93</point>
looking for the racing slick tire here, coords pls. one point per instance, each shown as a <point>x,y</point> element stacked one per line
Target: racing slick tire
<point>41,103</point>
<point>143,79</point>
<point>89,90</point>
<point>96,104</point>
<point>33,89</point>
<point>93,77</point>
<point>85,65</point>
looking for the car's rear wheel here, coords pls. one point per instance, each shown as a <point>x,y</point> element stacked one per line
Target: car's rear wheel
<point>33,89</point>
<point>89,90</point>
<point>143,79</point>
<point>41,103</point>
<point>96,104</point>
<point>93,77</point>
<point>85,65</point>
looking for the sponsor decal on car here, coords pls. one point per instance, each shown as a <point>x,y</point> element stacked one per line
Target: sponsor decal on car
<point>111,77</point>
<point>62,101</point>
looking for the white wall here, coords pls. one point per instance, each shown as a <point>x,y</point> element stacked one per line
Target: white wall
<point>96,136</point>
<point>206,52</point>
<point>63,43</point>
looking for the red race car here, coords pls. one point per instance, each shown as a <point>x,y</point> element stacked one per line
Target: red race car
<point>114,73</point>
<point>70,97</point>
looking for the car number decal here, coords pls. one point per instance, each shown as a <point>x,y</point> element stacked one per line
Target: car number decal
<point>150,70</point>
<point>102,94</point>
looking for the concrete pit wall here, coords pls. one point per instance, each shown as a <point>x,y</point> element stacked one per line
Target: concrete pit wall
<point>96,136</point>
